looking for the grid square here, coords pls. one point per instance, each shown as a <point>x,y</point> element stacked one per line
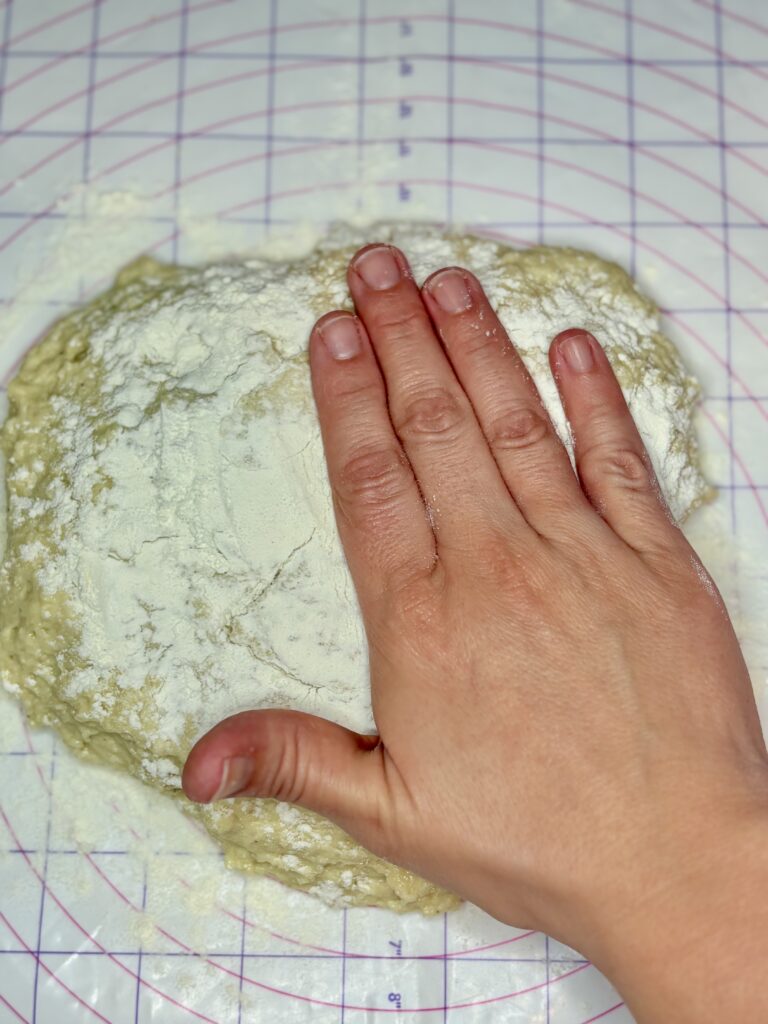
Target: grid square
<point>489,29</point>
<point>407,985</point>
<point>681,31</point>
<point>572,33</point>
<point>288,989</point>
<point>21,906</point>
<point>471,933</point>
<point>405,99</point>
<point>236,28</point>
<point>585,101</point>
<point>45,94</point>
<point>744,107</point>
<point>678,183</point>
<point>688,111</point>
<point>745,170</point>
<point>682,265</point>
<point>91,897</point>
<point>291,196</point>
<point>749,284</point>
<point>124,27</point>
<point>516,992</point>
<point>136,94</point>
<point>171,986</point>
<point>73,987</point>
<point>749,350</point>
<point>42,27</point>
<point>612,243</point>
<point>750,439</point>
<point>177,886</point>
<point>424,31</point>
<point>501,93</point>
<point>27,816</point>
<point>750,523</point>
<point>743,30</point>
<point>560,953</point>
<point>228,174</point>
<point>41,169</point>
<point>479,193</point>
<point>276,920</point>
<point>229,94</point>
<point>17,986</point>
<point>577,995</point>
<point>584,183</point>
<point>702,340</point>
<point>713,426</point>
<point>331,109</point>
<point>141,166</point>
<point>396,938</point>
<point>305,30</point>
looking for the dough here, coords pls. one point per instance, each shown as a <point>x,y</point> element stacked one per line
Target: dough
<point>172,556</point>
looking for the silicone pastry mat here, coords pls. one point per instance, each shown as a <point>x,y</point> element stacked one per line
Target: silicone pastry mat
<point>635,130</point>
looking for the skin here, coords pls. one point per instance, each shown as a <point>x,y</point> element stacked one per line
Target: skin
<point>567,734</point>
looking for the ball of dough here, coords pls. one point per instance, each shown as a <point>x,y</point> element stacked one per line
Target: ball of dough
<point>172,556</point>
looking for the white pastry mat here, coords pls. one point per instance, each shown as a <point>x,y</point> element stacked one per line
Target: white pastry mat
<point>636,130</point>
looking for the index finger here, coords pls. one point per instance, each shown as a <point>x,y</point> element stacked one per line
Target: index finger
<point>382,520</point>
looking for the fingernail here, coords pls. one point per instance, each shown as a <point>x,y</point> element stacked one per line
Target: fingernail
<point>378,268</point>
<point>576,349</point>
<point>449,290</point>
<point>341,337</point>
<point>236,773</point>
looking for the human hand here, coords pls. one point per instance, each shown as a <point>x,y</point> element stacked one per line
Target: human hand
<point>563,710</point>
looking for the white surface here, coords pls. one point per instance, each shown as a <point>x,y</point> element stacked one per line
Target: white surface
<point>264,123</point>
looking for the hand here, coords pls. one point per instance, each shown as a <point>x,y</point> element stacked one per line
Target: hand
<point>567,733</point>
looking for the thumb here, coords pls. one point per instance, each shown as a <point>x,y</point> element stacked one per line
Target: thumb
<point>291,756</point>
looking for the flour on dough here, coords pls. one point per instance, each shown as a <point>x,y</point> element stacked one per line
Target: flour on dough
<point>172,556</point>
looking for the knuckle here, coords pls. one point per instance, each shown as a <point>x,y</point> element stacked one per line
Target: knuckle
<point>432,414</point>
<point>372,476</point>
<point>499,563</point>
<point>518,428</point>
<point>394,319</point>
<point>623,467</point>
<point>356,388</point>
<point>415,602</point>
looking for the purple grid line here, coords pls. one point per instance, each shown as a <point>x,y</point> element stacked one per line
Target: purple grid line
<point>631,149</point>
<point>361,106</point>
<point>117,133</point>
<point>43,881</point>
<point>7,18</point>
<point>450,19</point>
<point>343,1000</point>
<point>540,118</point>
<point>212,54</point>
<point>55,215</point>
<point>236,955</point>
<point>718,30</point>
<point>445,968</point>
<point>140,951</point>
<point>270,124</point>
<point>516,58</point>
<point>244,911</point>
<point>179,138</point>
<point>92,62</point>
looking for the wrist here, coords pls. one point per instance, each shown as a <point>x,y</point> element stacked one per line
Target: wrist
<point>687,944</point>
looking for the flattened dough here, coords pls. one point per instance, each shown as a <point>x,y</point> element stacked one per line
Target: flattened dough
<point>172,556</point>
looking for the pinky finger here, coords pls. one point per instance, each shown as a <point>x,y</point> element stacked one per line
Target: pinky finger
<point>613,465</point>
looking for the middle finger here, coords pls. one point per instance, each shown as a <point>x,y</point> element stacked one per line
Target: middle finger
<point>430,411</point>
